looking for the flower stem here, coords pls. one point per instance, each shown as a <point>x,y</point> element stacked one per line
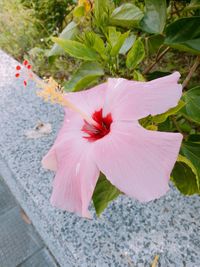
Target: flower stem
<point>177,126</point>
<point>158,58</point>
<point>192,70</point>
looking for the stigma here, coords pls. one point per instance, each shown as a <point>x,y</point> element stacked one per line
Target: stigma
<point>98,130</point>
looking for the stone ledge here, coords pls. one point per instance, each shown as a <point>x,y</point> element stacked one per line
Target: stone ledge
<point>20,244</point>
<point>127,234</point>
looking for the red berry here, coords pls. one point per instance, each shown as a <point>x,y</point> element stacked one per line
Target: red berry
<point>18,67</point>
<point>29,67</point>
<point>25,83</point>
<point>25,62</point>
<point>17,75</point>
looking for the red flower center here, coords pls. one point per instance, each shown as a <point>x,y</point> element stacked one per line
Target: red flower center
<point>98,131</point>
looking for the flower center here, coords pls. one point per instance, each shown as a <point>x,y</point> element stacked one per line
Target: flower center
<point>99,130</point>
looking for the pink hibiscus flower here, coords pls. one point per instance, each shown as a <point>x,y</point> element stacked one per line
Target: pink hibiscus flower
<point>137,161</point>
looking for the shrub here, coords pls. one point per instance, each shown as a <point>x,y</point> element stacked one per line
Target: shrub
<point>50,12</point>
<point>19,30</point>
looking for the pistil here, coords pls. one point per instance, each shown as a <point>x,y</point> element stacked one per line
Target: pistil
<point>96,132</point>
<point>52,91</point>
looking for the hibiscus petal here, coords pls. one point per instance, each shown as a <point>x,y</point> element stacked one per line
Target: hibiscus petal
<point>71,128</point>
<point>75,178</point>
<point>90,100</point>
<point>137,161</point>
<point>76,172</point>
<point>131,100</point>
<point>49,161</point>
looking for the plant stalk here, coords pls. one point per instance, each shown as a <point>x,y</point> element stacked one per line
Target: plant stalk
<point>192,70</point>
<point>158,58</point>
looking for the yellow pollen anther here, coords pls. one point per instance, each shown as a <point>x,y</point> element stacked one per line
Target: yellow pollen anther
<point>53,92</point>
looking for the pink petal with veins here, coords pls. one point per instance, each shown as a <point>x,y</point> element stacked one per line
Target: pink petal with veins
<point>137,161</point>
<point>131,100</point>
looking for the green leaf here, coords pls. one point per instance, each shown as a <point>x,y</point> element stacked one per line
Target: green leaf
<point>192,108</point>
<point>184,176</point>
<point>128,43</point>
<point>137,76</point>
<point>102,10</point>
<point>162,117</point>
<point>135,55</point>
<point>157,74</point>
<point>77,49</point>
<point>154,42</point>
<point>94,41</point>
<point>84,76</point>
<point>104,193</point>
<point>194,138</point>
<point>116,40</point>
<point>98,44</point>
<point>155,16</point>
<point>166,126</point>
<point>113,35</point>
<point>191,150</point>
<point>184,126</point>
<point>152,127</point>
<point>188,162</point>
<point>184,34</point>
<point>69,33</point>
<point>116,47</point>
<point>79,11</point>
<point>127,15</point>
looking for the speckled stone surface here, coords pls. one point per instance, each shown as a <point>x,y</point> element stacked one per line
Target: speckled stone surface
<point>20,244</point>
<point>127,234</point>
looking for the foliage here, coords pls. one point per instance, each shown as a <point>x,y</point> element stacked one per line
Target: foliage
<point>185,177</point>
<point>55,66</point>
<point>184,38</point>
<point>155,16</point>
<point>25,27</point>
<point>85,75</point>
<point>192,107</point>
<point>51,12</point>
<point>103,194</point>
<point>19,31</point>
